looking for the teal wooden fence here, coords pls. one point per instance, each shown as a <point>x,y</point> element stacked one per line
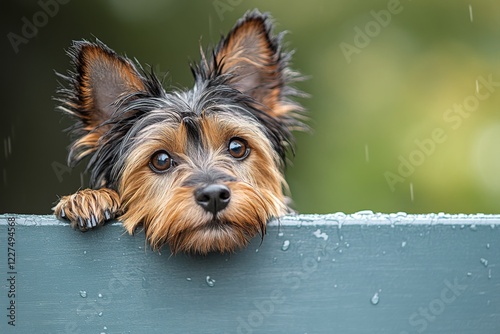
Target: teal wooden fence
<point>359,273</point>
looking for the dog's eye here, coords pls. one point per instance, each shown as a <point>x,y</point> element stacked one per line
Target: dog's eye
<point>161,162</point>
<point>238,148</point>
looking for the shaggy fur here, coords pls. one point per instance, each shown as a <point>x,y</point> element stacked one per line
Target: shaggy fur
<point>152,152</point>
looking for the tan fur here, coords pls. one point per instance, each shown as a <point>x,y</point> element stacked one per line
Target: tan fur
<point>235,58</point>
<point>168,210</point>
<point>94,61</point>
<point>122,129</point>
<point>101,204</point>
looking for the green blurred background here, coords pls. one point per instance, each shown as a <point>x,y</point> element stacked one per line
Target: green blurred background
<point>369,105</point>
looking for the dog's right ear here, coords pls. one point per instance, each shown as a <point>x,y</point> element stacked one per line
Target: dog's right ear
<point>101,78</point>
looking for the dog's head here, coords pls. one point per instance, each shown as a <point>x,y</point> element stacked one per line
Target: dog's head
<point>201,169</point>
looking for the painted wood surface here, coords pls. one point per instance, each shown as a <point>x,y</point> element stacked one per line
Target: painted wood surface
<point>360,273</point>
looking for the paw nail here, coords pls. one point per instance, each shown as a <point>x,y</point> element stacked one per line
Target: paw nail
<point>63,214</point>
<point>89,223</point>
<point>80,222</point>
<point>94,221</point>
<point>107,215</point>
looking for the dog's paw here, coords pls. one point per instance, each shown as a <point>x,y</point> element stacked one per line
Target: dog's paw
<point>88,208</point>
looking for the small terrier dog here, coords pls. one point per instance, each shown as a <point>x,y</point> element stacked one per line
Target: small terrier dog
<point>202,169</point>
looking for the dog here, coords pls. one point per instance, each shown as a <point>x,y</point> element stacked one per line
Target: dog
<point>201,170</point>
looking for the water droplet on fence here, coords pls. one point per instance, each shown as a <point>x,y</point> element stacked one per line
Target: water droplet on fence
<point>319,234</point>
<point>286,245</point>
<point>145,283</point>
<point>210,281</point>
<point>99,295</point>
<point>364,213</point>
<point>484,262</point>
<point>489,273</point>
<point>375,299</point>
<point>487,246</point>
<point>403,244</point>
<point>473,227</point>
<point>83,293</point>
<point>188,279</point>
<point>100,314</point>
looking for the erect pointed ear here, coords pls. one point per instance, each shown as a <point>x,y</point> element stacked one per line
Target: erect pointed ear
<point>252,57</point>
<point>103,77</point>
<point>100,79</point>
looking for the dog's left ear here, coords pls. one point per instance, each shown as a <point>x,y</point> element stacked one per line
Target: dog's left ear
<point>256,65</point>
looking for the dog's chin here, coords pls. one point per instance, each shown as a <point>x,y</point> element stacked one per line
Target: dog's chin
<point>217,225</point>
<point>215,236</point>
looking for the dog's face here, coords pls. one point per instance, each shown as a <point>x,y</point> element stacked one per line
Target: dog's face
<point>201,183</point>
<point>200,169</point>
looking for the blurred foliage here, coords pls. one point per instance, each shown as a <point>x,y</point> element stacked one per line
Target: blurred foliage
<point>368,111</point>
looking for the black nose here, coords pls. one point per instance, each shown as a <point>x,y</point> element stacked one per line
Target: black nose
<point>213,198</point>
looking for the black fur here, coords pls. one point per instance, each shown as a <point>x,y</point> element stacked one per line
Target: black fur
<point>212,93</point>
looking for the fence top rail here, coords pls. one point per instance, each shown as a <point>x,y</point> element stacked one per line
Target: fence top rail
<point>363,272</point>
<point>365,217</point>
